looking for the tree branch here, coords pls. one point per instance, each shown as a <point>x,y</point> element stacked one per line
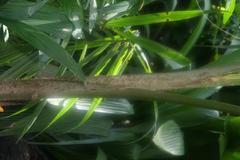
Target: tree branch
<point>148,87</point>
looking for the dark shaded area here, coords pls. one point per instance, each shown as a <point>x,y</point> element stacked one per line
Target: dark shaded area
<point>11,150</point>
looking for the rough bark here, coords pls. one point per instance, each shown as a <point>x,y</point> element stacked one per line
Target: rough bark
<point>118,86</point>
<point>149,87</point>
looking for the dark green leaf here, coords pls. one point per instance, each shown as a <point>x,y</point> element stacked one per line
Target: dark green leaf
<point>44,43</point>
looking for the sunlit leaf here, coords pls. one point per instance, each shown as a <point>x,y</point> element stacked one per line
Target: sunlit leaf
<point>25,108</point>
<point>4,33</point>
<point>169,138</point>
<point>174,58</point>
<point>95,103</point>
<point>154,18</point>
<point>65,109</point>
<point>228,12</point>
<point>95,54</point>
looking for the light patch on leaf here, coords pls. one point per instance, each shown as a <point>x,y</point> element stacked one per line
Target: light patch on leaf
<point>169,138</point>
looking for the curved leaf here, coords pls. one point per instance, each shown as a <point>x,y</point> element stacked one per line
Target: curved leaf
<point>169,138</point>
<point>44,43</point>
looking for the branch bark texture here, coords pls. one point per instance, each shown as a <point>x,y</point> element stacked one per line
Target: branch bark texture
<point>147,86</point>
<point>111,86</point>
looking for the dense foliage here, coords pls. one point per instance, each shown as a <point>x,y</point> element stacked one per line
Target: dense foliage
<point>66,38</point>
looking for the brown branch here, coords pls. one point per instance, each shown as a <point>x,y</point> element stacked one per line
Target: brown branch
<point>152,86</point>
<point>118,85</point>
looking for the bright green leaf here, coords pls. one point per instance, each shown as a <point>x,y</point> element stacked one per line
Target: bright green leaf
<point>173,58</point>
<point>154,18</point>
<point>228,12</point>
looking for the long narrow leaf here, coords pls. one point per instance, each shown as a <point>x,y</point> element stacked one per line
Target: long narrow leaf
<point>44,43</point>
<point>117,67</point>
<point>64,110</point>
<point>197,31</point>
<point>154,18</point>
<point>174,58</point>
<point>25,108</point>
<point>31,119</point>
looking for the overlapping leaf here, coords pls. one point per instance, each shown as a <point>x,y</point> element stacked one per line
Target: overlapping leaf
<point>44,43</point>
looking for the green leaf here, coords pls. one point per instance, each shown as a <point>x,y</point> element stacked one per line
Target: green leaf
<point>114,10</point>
<point>31,119</point>
<point>97,43</point>
<point>169,138</point>
<point>97,70</point>
<point>101,155</point>
<point>83,54</point>
<point>70,103</point>
<point>108,106</point>
<point>228,12</point>
<point>231,154</point>
<point>44,43</point>
<point>95,54</point>
<point>121,61</point>
<point>226,60</point>
<point>23,66</point>
<point>25,108</point>
<point>11,52</point>
<point>117,68</point>
<point>112,137</point>
<point>52,21</point>
<point>104,61</point>
<point>95,103</point>
<point>197,31</point>
<point>2,2</point>
<point>173,58</point>
<point>143,59</point>
<point>20,9</point>
<point>97,125</point>
<point>75,14</point>
<point>93,14</point>
<point>154,18</point>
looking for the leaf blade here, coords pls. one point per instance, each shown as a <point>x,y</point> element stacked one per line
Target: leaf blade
<point>44,43</point>
<point>154,18</point>
<point>174,58</point>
